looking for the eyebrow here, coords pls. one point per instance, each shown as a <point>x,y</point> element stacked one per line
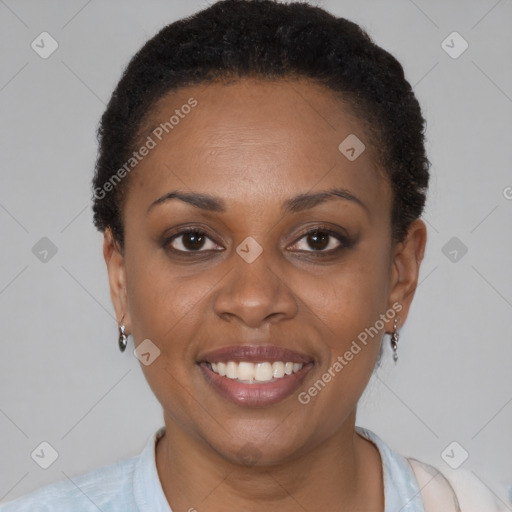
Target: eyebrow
<point>295,204</point>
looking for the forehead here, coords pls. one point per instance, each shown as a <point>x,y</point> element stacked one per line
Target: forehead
<point>245,138</point>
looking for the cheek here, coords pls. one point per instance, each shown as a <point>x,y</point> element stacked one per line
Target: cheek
<point>162,302</point>
<point>349,306</point>
<point>169,309</point>
<point>169,302</point>
<point>353,295</point>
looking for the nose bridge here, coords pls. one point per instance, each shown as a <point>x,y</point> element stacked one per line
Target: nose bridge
<point>254,292</point>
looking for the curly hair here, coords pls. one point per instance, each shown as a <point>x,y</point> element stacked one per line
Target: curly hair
<point>270,40</point>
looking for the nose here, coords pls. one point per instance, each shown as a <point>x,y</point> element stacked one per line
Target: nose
<point>254,293</point>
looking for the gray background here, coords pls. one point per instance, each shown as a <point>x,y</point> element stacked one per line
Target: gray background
<point>62,378</point>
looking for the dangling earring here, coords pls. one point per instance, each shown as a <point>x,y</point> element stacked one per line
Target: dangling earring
<point>123,339</point>
<point>394,340</point>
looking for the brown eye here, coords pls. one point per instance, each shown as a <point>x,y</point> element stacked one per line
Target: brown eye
<point>321,240</point>
<point>318,240</point>
<point>191,240</point>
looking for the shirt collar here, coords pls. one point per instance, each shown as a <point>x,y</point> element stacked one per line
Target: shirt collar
<point>401,490</point>
<point>148,492</point>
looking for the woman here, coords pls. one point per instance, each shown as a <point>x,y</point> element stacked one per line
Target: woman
<point>260,181</point>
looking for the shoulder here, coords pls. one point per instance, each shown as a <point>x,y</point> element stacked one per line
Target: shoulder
<point>424,488</point>
<point>460,488</point>
<point>95,490</point>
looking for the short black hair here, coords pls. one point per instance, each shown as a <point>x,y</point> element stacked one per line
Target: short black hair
<point>271,40</point>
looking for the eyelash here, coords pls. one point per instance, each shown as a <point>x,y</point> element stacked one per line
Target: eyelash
<point>345,243</point>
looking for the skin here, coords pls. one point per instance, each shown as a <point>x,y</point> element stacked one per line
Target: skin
<point>256,144</point>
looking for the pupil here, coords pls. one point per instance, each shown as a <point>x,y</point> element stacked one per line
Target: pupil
<point>193,241</point>
<point>315,237</point>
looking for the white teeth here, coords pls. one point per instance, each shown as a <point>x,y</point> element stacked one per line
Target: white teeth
<point>278,369</point>
<point>232,370</point>
<point>263,372</point>
<point>221,369</point>
<point>259,372</point>
<point>245,371</point>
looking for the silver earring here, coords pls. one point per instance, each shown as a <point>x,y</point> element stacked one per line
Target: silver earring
<point>394,340</point>
<point>123,339</point>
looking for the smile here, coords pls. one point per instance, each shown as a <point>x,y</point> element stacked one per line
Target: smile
<point>255,375</point>
<point>249,373</point>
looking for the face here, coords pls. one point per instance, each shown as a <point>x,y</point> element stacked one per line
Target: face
<point>275,248</point>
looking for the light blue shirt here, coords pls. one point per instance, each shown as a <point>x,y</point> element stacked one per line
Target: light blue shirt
<point>133,485</point>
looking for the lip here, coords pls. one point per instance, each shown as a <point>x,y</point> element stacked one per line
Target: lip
<point>256,394</point>
<point>266,393</point>
<point>254,354</point>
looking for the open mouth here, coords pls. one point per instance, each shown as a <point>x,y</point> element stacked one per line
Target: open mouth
<point>255,375</point>
<point>251,373</point>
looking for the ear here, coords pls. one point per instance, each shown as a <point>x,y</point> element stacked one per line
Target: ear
<point>405,268</point>
<point>114,259</point>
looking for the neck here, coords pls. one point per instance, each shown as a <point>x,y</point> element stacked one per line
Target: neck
<point>342,473</point>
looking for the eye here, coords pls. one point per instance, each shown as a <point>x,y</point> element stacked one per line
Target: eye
<point>191,240</point>
<point>321,239</point>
